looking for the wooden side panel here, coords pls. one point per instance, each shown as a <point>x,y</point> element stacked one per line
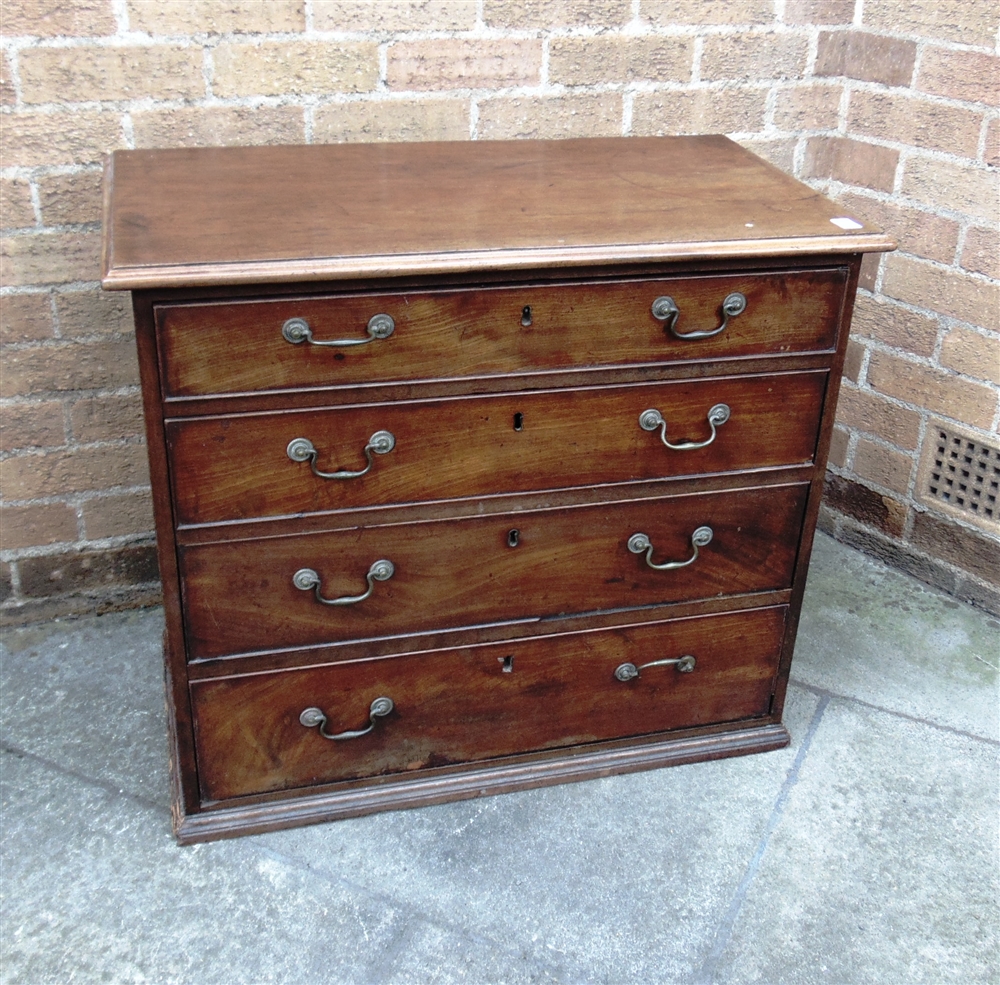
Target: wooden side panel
<point>240,597</point>
<point>467,705</point>
<point>236,347</point>
<point>517,442</point>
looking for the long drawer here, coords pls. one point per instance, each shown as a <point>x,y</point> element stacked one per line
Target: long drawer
<point>247,465</point>
<point>250,346</point>
<point>264,594</point>
<point>470,704</point>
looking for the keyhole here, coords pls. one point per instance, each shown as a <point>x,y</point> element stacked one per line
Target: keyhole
<point>526,315</point>
<point>518,421</point>
<point>513,537</point>
<point>508,664</point>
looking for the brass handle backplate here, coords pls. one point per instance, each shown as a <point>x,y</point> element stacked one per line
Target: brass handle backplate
<point>665,310</point>
<point>303,450</point>
<point>297,330</point>
<point>650,420</point>
<point>629,671</point>
<point>305,579</point>
<point>640,543</point>
<point>311,717</point>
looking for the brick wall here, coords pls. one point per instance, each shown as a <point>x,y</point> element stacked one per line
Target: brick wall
<point>888,105</point>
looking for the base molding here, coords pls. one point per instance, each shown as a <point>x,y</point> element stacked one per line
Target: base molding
<point>480,780</point>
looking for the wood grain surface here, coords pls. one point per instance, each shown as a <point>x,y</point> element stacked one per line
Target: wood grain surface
<point>235,346</point>
<point>479,446</point>
<point>239,596</point>
<point>265,214</point>
<point>463,706</point>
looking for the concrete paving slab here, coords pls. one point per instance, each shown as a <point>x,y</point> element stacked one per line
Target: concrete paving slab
<point>876,634</point>
<point>88,695</point>
<point>884,865</point>
<point>96,890</point>
<point>611,880</point>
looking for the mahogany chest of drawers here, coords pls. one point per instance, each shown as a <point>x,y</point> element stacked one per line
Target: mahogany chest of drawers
<point>476,466</point>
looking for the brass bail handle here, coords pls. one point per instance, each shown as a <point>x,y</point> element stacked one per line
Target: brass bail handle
<point>650,420</point>
<point>665,310</point>
<point>303,450</point>
<point>640,543</point>
<point>298,330</point>
<point>311,717</point>
<point>305,579</point>
<point>629,671</point>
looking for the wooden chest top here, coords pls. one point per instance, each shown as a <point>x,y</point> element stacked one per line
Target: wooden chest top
<point>258,215</point>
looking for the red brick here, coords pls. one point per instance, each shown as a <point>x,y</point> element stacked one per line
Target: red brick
<point>69,366</point>
<point>808,107</point>
<point>965,296</point>
<point>391,120</point>
<point>219,126</point>
<point>914,121</point>
<point>972,354</point>
<point>917,231</point>
<point>698,111</point>
<point>96,312</point>
<point>969,75</point>
<point>90,73</point>
<point>877,510</point>
<point>118,515</point>
<point>37,525</point>
<point>50,18</point>
<point>864,410</point>
<point>50,258</point>
<point>70,198</point>
<point>667,13</point>
<point>25,317</point>
<point>894,325</point>
<point>853,360</point>
<point>868,275</point>
<point>883,466</point>
<point>576,115</point>
<point>215,17</point>
<point>993,142</point>
<point>464,63</point>
<point>967,23</point>
<point>546,14</point>
<point>866,57</point>
<point>83,137</point>
<point>591,61</point>
<point>958,545</point>
<point>852,162</point>
<point>838,447</point>
<point>60,473</point>
<point>16,210</point>
<point>107,418</point>
<point>87,570</point>
<point>933,389</point>
<point>781,152</point>
<point>981,253</point>
<point>753,56</point>
<point>32,425</point>
<point>954,187</point>
<point>819,12</point>
<point>8,95</point>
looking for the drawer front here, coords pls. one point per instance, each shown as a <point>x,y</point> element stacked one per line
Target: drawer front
<point>472,704</point>
<point>242,596</point>
<point>238,346</point>
<point>477,446</point>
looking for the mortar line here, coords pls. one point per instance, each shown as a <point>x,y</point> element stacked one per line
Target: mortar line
<point>413,913</point>
<point>90,781</point>
<point>826,693</point>
<point>724,933</point>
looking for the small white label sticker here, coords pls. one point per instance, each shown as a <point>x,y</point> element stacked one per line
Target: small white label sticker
<point>846,223</point>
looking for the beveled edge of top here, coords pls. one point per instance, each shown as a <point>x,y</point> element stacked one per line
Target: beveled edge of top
<point>346,267</point>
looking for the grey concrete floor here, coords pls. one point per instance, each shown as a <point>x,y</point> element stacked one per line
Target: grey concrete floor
<point>866,852</point>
